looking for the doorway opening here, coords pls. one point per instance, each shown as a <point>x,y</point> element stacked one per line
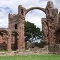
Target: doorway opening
<point>14,41</point>
<point>3,39</point>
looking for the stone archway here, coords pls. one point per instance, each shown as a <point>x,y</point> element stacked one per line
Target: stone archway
<point>32,8</point>
<point>3,39</point>
<point>46,22</point>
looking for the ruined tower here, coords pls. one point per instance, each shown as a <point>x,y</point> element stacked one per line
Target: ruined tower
<point>16,26</point>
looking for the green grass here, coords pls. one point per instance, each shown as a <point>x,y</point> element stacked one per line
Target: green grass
<point>32,57</point>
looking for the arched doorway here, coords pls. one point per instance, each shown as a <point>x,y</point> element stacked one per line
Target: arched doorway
<point>3,39</point>
<point>57,34</point>
<point>36,9</point>
<point>46,22</point>
<point>14,44</point>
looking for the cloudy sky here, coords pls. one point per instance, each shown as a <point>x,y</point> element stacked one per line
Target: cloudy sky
<point>34,16</point>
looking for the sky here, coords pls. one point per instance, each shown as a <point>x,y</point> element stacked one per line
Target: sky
<point>34,16</point>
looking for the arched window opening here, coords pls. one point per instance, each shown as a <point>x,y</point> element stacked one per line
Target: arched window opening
<point>34,16</point>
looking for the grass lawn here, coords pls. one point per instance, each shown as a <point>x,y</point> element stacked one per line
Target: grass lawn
<point>32,57</point>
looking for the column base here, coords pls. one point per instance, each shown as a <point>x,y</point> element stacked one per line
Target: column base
<point>20,50</point>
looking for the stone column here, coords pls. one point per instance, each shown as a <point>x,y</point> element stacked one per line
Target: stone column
<point>22,37</point>
<point>21,42</point>
<point>50,36</point>
<point>9,43</point>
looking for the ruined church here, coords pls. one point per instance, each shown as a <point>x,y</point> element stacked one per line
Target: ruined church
<point>12,38</point>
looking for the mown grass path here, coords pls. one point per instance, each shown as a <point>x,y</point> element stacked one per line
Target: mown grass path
<point>32,57</point>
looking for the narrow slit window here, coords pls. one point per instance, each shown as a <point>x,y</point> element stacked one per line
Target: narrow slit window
<point>22,11</point>
<point>16,26</point>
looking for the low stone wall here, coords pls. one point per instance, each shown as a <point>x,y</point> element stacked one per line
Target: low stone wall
<point>26,52</point>
<point>55,49</point>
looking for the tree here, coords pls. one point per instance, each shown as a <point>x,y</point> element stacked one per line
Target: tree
<point>31,31</point>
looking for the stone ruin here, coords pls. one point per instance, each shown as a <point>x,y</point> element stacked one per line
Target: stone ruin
<point>12,38</point>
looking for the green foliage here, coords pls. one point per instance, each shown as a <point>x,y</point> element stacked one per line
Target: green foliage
<point>31,30</point>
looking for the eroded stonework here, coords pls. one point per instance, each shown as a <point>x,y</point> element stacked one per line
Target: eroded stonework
<point>12,38</point>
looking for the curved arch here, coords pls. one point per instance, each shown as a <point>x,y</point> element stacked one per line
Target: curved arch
<point>32,8</point>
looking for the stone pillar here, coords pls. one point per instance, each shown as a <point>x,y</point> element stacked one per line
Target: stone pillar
<point>9,43</point>
<point>22,37</point>
<point>45,30</point>
<point>21,42</point>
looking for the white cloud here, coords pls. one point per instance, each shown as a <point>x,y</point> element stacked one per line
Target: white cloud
<point>4,23</point>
